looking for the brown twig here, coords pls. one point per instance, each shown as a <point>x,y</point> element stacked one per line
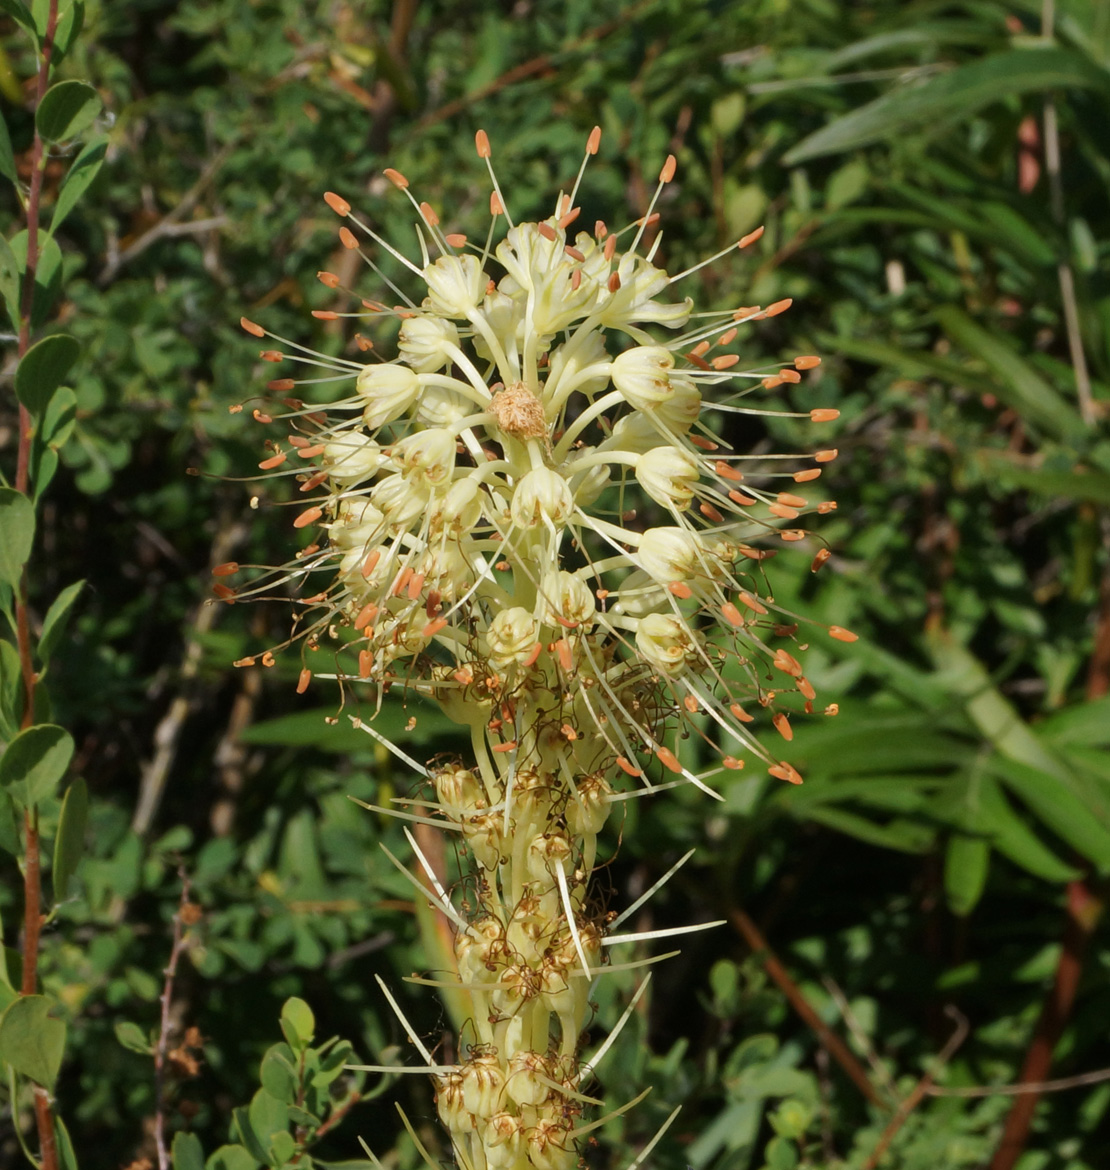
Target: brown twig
<point>919,1091</point>
<point>1077,1082</point>
<point>185,912</point>
<point>836,1047</point>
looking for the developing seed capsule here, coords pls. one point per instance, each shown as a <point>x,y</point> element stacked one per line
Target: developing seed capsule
<point>666,642</point>
<point>550,1146</point>
<point>424,343</point>
<point>668,475</point>
<point>541,494</point>
<point>512,636</point>
<point>503,1142</point>
<point>459,789</point>
<point>588,811</point>
<point>449,1104</point>
<point>389,389</point>
<point>483,1085</point>
<point>523,1085</point>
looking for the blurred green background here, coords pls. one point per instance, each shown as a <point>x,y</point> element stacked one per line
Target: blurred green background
<point>949,850</point>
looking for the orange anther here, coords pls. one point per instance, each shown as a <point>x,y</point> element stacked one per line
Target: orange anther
<point>243,662</point>
<point>610,248</point>
<point>842,635</point>
<point>746,312</point>
<point>396,178</point>
<point>569,734</point>
<point>711,512</point>
<point>823,414</point>
<point>727,472</point>
<point>463,675</point>
<point>496,207</point>
<point>329,279</point>
<point>455,239</point>
<point>787,663</point>
<point>751,602</point>
<point>791,501</point>
<point>235,408</point>
<point>310,452</point>
<point>594,140</point>
<point>732,762</point>
<point>574,253</point>
<point>281,384</point>
<point>547,231</point>
<point>252,328</point>
<point>401,580</point>
<point>668,759</point>
<point>739,713</point>
<point>806,688</point>
<point>782,726</point>
<point>810,473</point>
<point>416,583</point>
<point>771,383</point>
<point>430,217</point>
<point>625,766</point>
<point>807,362</point>
<point>600,230</point>
<point>313,481</point>
<point>732,615</point>
<point>785,772</point>
<point>303,679</point>
<point>783,512</point>
<point>750,238</point>
<point>821,557</point>
<point>308,517</point>
<point>260,417</point>
<point>325,315</point>
<point>614,279</point>
<point>366,615</point>
<point>832,709</point>
<point>826,456</point>
<point>433,627</point>
<point>739,498</point>
<point>691,704</point>
<point>337,203</point>
<point>347,238</point>
<point>791,376</point>
<point>223,592</point>
<point>704,443</point>
<point>826,506</point>
<point>562,649</point>
<point>726,361</point>
<point>481,144</point>
<point>700,362</point>
<point>533,654</point>
<point>778,307</point>
<point>226,569</point>
<point>680,589</point>
<point>793,534</point>
<point>268,658</point>
<point>365,663</point>
<point>701,348</point>
<point>567,218</point>
<point>669,167</point>
<point>504,747</point>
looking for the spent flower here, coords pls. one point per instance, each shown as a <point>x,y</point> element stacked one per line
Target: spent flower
<point>478,542</point>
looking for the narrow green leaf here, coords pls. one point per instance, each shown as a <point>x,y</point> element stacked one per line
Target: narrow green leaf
<point>7,158</point>
<point>69,845</point>
<point>1081,483</point>
<point>1084,725</point>
<point>188,1153</point>
<point>66,109</point>
<point>251,1141</point>
<point>10,273</point>
<point>71,19</point>
<point>35,762</point>
<point>10,840</point>
<point>31,1041</point>
<point>77,179</point>
<point>42,370</point>
<point>44,463</point>
<point>58,419</point>
<point>966,865</point>
<point>57,618</point>
<point>67,1157</point>
<point>21,14</point>
<point>1012,837</point>
<point>17,534</point>
<point>1020,386</point>
<point>48,275</point>
<point>11,691</point>
<point>904,836</point>
<point>954,95</point>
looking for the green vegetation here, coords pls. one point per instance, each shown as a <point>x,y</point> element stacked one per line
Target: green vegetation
<point>933,180</point>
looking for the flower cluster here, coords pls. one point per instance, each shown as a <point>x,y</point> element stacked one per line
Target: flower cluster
<point>478,504</point>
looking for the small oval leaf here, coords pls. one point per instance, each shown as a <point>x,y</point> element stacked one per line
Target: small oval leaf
<point>35,762</point>
<point>42,370</point>
<point>66,109</point>
<point>17,532</point>
<point>31,1041</point>
<point>69,845</point>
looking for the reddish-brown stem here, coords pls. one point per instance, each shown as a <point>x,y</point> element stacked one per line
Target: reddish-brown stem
<point>160,1051</point>
<point>32,917</point>
<point>1084,911</point>
<point>831,1042</point>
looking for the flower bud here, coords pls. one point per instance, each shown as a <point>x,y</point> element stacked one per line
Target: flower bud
<point>399,501</point>
<point>666,642</point>
<point>424,343</point>
<point>639,594</point>
<point>511,637</point>
<point>668,475</point>
<point>644,376</point>
<point>672,554</point>
<point>352,457</point>
<point>389,389</point>
<point>427,458</point>
<point>567,596</point>
<point>440,406</point>
<point>459,789</point>
<point>541,494</point>
<point>459,509</point>
<point>456,284</point>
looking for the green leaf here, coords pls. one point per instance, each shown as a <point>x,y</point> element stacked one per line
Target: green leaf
<point>42,370</point>
<point>7,158</point>
<point>21,14</point>
<point>282,1148</point>
<point>1080,483</point>
<point>277,1074</point>
<point>904,836</point>
<point>17,534</point>
<point>966,865</point>
<point>71,19</point>
<point>133,1038</point>
<point>1019,385</point>
<point>66,109</point>
<point>31,1041</point>
<point>67,1158</point>
<point>188,1153</point>
<point>35,762</point>
<point>11,691</point>
<point>232,1158</point>
<point>10,273</point>
<point>954,95</point>
<point>9,826</point>
<point>1012,837</point>
<point>77,179</point>
<point>59,419</point>
<point>244,1128</point>
<point>57,618</point>
<point>298,1023</point>
<point>48,275</point>
<point>69,845</point>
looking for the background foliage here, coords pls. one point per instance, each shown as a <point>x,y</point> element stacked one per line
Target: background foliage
<point>950,847</point>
